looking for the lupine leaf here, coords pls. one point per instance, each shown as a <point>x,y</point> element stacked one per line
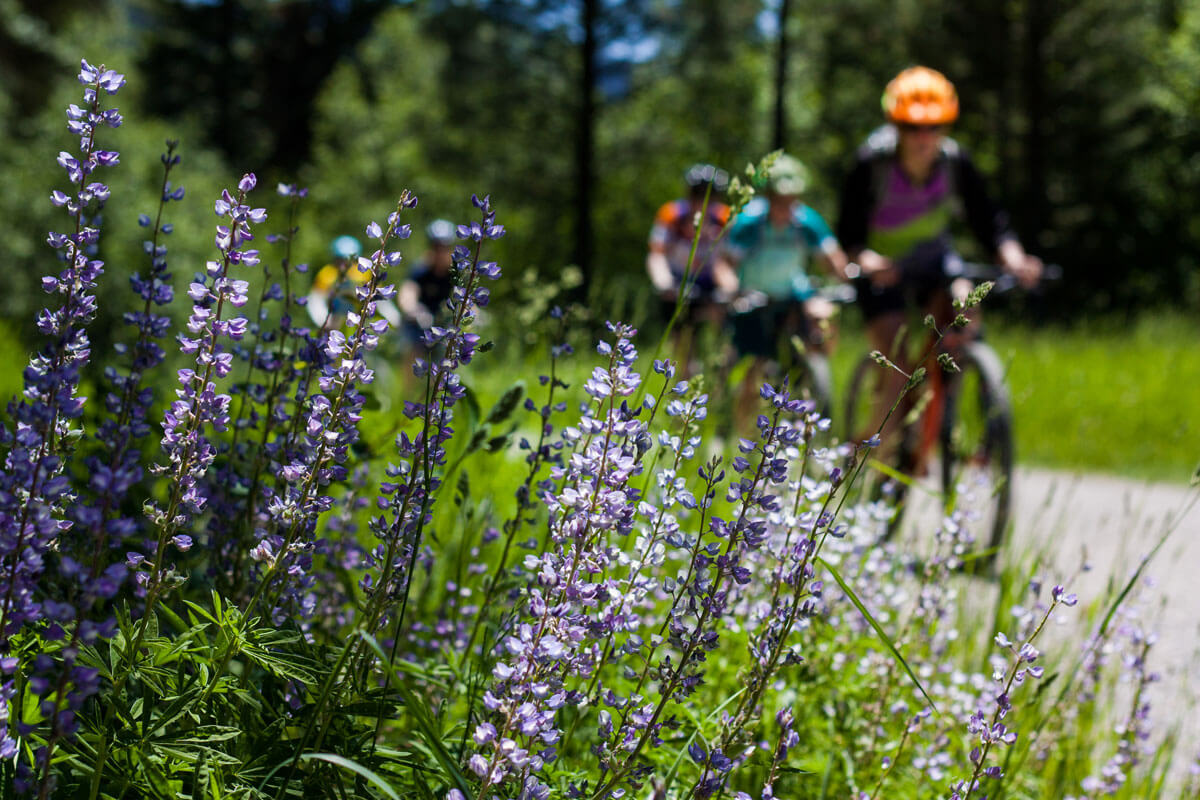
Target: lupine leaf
<point>883,637</point>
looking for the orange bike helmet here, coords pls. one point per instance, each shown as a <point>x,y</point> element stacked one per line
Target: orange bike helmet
<point>920,96</point>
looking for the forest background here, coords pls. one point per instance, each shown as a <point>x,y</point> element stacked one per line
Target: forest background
<point>580,117</point>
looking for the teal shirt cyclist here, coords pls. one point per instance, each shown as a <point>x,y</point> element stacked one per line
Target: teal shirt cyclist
<point>774,244</point>
<point>776,260</point>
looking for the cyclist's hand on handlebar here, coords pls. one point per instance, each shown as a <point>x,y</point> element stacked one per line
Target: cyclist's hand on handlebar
<point>1026,268</point>
<point>879,270</point>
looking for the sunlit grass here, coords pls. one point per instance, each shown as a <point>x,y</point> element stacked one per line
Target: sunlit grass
<point>1107,396</point>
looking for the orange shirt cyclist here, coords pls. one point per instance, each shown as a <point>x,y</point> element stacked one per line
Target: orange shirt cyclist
<point>672,234</point>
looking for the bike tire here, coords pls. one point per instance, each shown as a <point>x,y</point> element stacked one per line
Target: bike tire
<point>817,379</point>
<point>976,441</point>
<point>858,415</point>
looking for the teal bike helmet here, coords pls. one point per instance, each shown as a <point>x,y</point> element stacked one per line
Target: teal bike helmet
<point>345,247</point>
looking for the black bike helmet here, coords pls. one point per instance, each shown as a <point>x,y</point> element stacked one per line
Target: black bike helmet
<point>700,176</point>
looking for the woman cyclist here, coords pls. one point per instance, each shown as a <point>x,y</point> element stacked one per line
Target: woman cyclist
<point>908,185</point>
<point>773,245</point>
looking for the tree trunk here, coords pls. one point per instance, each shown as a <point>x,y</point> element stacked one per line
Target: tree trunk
<point>779,139</point>
<point>584,150</point>
<point>1038,14</point>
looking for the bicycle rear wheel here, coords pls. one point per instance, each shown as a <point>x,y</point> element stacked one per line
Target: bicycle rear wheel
<point>859,422</point>
<point>977,444</point>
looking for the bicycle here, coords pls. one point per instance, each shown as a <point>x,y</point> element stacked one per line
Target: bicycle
<point>965,415</point>
<point>809,370</point>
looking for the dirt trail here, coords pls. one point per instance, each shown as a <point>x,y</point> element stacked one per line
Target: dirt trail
<point>1117,522</point>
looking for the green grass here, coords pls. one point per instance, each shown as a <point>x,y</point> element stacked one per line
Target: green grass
<point>1107,396</point>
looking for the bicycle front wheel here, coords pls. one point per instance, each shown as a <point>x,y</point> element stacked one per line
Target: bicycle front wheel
<point>859,422</point>
<point>815,379</point>
<point>977,444</point>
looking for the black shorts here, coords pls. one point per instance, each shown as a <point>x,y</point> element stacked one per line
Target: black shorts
<point>765,332</point>
<point>926,273</point>
<point>692,314</point>
<point>875,301</point>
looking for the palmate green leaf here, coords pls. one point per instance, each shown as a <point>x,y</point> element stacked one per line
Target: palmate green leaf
<point>879,631</point>
<point>177,707</point>
<point>286,665</point>
<point>425,726</point>
<point>355,767</point>
<point>195,753</point>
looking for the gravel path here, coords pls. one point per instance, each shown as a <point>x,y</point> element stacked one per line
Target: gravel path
<point>1117,522</point>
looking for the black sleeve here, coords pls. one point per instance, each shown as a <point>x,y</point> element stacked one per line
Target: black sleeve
<point>987,221</point>
<point>854,210</point>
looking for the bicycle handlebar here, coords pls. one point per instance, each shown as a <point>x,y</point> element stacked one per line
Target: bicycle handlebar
<point>1004,282</point>
<point>744,301</point>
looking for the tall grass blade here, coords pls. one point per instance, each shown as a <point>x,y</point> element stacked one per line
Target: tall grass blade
<point>355,767</point>
<point>424,722</point>
<point>879,631</point>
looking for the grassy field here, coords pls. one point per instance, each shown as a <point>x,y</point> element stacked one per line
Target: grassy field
<point>1118,398</point>
<point>1115,397</point>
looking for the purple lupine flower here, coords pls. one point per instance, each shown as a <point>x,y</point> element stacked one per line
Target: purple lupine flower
<point>547,450</point>
<point>330,428</point>
<point>1134,728</point>
<point>113,470</point>
<point>407,495</point>
<point>265,431</point>
<point>717,567</point>
<point>555,638</point>
<point>987,721</point>
<point>201,407</point>
<point>35,492</point>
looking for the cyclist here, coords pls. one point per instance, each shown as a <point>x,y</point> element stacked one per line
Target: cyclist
<point>670,246</point>
<point>772,244</point>
<point>424,293</point>
<point>909,183</point>
<point>333,288</point>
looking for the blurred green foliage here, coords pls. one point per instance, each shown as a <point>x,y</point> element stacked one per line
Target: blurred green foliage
<point>1084,114</point>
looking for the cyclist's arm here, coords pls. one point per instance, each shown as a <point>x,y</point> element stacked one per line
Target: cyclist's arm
<point>854,218</point>
<point>387,309</point>
<point>409,298</point>
<point>657,265</point>
<point>658,268</point>
<point>835,259</point>
<point>318,307</point>
<point>991,226</point>
<point>820,240</point>
<point>724,274</point>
